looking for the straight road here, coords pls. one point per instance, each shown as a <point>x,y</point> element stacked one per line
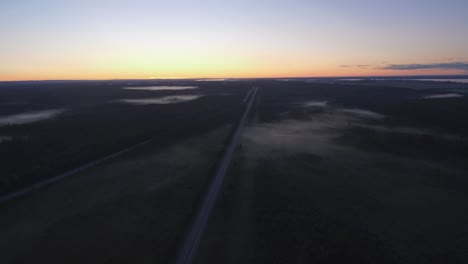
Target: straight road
<point>47,182</point>
<point>195,234</point>
<point>50,181</point>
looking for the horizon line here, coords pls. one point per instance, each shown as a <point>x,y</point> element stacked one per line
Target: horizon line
<point>461,76</point>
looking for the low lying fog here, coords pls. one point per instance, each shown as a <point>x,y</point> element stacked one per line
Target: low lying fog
<point>162,100</point>
<point>29,117</point>
<point>390,195</point>
<point>161,88</point>
<point>313,136</point>
<point>442,96</point>
<point>2,139</point>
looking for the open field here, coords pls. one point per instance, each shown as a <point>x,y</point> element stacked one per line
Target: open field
<point>95,121</point>
<point>324,173</point>
<point>341,173</point>
<point>134,207</point>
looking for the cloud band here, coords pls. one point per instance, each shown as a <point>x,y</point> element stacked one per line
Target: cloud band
<point>463,66</point>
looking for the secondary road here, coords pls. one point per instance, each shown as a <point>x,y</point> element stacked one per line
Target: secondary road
<point>47,182</point>
<point>195,234</point>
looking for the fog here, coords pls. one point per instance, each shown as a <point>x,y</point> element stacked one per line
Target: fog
<point>161,88</point>
<point>404,200</point>
<point>162,100</point>
<point>288,137</point>
<point>29,117</point>
<point>314,135</point>
<point>362,113</point>
<point>316,104</point>
<point>410,131</point>
<point>106,193</point>
<point>442,96</point>
<point>3,139</point>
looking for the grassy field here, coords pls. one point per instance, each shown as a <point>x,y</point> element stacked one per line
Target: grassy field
<point>95,123</point>
<point>341,173</point>
<point>133,209</point>
<point>325,173</point>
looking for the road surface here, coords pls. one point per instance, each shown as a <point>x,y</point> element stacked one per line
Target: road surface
<point>195,234</point>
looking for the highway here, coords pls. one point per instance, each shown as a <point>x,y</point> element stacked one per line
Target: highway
<point>195,234</point>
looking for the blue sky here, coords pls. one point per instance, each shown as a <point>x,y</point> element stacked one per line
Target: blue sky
<point>125,39</point>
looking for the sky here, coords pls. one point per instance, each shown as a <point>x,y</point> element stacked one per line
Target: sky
<point>139,39</point>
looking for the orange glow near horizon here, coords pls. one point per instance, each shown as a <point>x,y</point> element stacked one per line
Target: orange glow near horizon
<point>95,40</point>
<point>200,74</point>
<point>196,67</point>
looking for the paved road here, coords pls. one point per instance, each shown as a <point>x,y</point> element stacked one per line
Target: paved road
<point>47,182</point>
<point>195,234</point>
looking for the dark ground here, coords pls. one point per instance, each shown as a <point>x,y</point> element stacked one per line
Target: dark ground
<point>94,125</point>
<point>134,208</point>
<point>321,184</point>
<point>377,174</point>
